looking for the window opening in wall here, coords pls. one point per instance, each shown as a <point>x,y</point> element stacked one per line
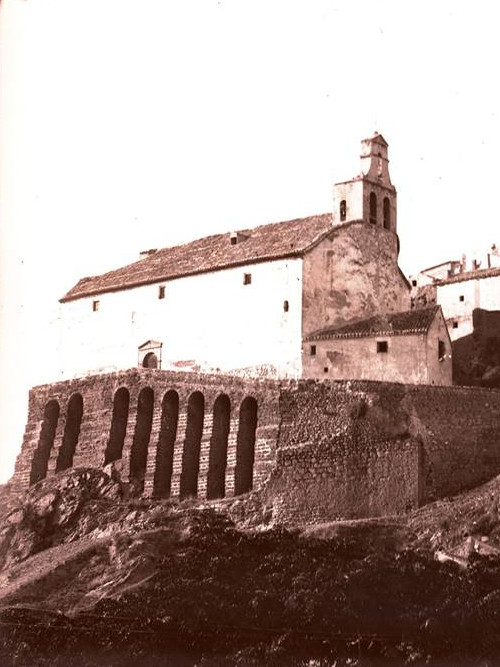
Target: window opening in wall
<point>217,460</point>
<point>387,213</point>
<point>140,444</point>
<point>414,283</point>
<point>245,446</point>
<point>382,346</point>
<point>150,360</point>
<point>313,350</point>
<point>441,350</point>
<point>373,208</point>
<point>161,292</point>
<point>325,369</point>
<point>461,298</point>
<point>95,306</point>
<point>286,306</point>
<point>343,210</point>
<point>455,324</point>
<point>192,444</point>
<point>71,433</point>
<point>41,456</point>
<point>234,240</point>
<point>247,278</point>
<point>118,428</point>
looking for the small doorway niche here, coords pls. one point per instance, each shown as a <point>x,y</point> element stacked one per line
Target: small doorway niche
<point>149,354</point>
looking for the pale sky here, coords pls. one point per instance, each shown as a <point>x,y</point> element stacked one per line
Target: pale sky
<point>128,125</point>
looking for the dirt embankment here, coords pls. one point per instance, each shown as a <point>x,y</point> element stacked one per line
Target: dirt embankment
<point>88,578</point>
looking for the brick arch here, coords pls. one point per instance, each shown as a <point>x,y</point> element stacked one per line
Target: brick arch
<point>192,445</point>
<point>166,442</point>
<point>71,433</point>
<point>373,208</point>
<point>142,434</point>
<point>217,460</point>
<point>245,446</point>
<point>40,461</point>
<point>387,213</point>
<point>118,430</point>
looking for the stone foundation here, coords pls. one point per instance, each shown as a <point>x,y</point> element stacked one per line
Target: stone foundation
<point>320,450</point>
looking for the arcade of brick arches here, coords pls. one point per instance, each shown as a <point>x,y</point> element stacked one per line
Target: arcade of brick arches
<point>170,433</point>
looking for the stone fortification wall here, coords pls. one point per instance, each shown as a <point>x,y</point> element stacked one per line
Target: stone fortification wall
<point>358,449</point>
<point>315,450</point>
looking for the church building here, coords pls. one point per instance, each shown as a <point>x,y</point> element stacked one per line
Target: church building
<point>246,301</point>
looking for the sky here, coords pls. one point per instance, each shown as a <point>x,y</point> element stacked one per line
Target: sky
<point>127,125</point>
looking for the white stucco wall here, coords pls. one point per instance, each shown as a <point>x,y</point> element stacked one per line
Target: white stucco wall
<point>482,293</point>
<point>206,322</point>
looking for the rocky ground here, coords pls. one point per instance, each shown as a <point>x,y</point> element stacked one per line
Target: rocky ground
<point>88,577</point>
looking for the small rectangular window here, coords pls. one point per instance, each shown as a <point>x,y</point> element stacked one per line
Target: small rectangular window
<point>247,278</point>
<point>461,298</point>
<point>161,292</point>
<point>325,369</point>
<point>455,324</point>
<point>414,283</point>
<point>441,350</point>
<point>286,306</point>
<point>313,350</point>
<point>382,346</point>
<point>95,306</point>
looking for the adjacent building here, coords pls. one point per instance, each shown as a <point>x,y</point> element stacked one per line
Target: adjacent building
<point>460,287</point>
<point>411,346</point>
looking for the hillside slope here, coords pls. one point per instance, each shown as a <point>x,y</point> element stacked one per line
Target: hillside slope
<point>87,578</point>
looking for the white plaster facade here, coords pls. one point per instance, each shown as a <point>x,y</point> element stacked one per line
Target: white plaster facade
<point>211,321</point>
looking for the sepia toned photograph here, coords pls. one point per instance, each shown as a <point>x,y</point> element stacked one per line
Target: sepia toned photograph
<point>249,333</point>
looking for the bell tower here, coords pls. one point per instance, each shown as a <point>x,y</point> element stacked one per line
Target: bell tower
<point>369,197</point>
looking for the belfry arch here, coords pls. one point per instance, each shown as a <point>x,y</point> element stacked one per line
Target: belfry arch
<point>166,443</point>
<point>41,456</point>
<point>387,213</point>
<point>245,446</point>
<point>71,433</point>
<point>217,460</point>
<point>373,208</point>
<point>192,444</point>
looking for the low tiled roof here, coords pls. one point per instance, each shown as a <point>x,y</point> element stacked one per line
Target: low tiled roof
<point>267,242</point>
<point>403,323</point>
<point>478,274</point>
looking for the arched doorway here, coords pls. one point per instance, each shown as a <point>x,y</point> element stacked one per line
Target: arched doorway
<point>142,434</point>
<point>192,444</point>
<point>41,456</point>
<point>217,460</point>
<point>166,443</point>
<point>245,446</point>
<point>71,433</point>
<point>118,429</point>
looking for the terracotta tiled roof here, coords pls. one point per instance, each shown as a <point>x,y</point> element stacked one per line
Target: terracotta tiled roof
<point>470,275</point>
<point>267,242</point>
<point>391,324</point>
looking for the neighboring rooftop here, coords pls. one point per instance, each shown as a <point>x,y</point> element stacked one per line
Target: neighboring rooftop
<point>406,322</point>
<point>477,274</point>
<point>211,253</point>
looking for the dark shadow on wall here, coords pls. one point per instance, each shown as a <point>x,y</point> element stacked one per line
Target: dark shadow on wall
<point>476,357</point>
